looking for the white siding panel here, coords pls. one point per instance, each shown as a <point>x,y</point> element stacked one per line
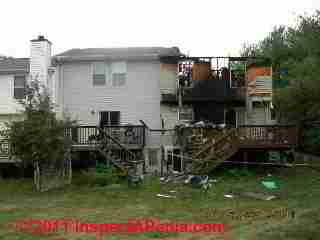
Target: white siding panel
<point>170,116</point>
<point>138,100</point>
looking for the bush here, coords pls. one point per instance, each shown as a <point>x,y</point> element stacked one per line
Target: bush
<point>39,140</point>
<point>102,175</point>
<point>311,139</point>
<point>240,172</point>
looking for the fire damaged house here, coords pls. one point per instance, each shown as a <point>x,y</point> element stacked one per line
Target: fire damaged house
<point>147,109</point>
<point>224,108</point>
<point>221,90</point>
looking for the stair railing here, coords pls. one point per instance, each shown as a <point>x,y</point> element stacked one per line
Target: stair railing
<point>212,146</point>
<point>124,152</point>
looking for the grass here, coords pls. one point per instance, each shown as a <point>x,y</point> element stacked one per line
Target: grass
<point>245,218</point>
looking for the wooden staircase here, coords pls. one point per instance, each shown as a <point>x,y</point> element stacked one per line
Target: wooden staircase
<point>118,154</point>
<point>214,152</point>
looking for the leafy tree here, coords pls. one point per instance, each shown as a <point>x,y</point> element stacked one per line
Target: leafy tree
<point>39,139</point>
<point>295,49</point>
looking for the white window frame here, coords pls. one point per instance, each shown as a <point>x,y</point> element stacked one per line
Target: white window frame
<point>13,86</point>
<point>118,68</point>
<point>105,74</point>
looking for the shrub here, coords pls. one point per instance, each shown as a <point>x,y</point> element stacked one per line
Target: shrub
<point>102,175</point>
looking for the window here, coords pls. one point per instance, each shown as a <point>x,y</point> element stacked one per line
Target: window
<point>19,87</point>
<point>99,74</point>
<point>153,157</point>
<point>109,118</point>
<point>257,104</point>
<point>118,74</point>
<point>174,158</point>
<point>185,115</point>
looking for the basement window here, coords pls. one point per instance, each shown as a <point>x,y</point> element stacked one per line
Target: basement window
<point>19,87</point>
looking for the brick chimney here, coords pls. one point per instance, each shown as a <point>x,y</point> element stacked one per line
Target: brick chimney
<point>40,59</point>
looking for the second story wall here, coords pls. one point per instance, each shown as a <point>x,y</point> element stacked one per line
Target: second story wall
<point>137,99</point>
<point>168,75</point>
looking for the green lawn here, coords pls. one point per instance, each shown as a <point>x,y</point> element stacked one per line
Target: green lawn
<point>299,191</point>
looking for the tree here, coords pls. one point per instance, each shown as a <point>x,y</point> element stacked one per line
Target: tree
<point>39,139</point>
<point>295,50</point>
<point>295,55</point>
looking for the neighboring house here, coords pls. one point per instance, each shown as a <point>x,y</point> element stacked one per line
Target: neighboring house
<point>13,76</point>
<point>16,72</point>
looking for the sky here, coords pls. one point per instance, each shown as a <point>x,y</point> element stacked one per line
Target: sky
<point>198,27</point>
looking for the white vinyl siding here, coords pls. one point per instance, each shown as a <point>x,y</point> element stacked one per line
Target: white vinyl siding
<point>138,99</point>
<point>264,84</point>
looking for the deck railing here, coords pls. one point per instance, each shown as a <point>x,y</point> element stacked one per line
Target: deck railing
<point>268,134</point>
<point>4,148</point>
<point>125,134</point>
<point>4,145</point>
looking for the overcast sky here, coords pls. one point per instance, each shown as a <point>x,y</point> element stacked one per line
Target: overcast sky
<point>198,27</point>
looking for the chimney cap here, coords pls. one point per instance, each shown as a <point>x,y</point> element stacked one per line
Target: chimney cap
<point>40,38</point>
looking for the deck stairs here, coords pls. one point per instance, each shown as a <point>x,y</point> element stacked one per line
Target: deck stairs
<point>207,156</point>
<point>119,156</point>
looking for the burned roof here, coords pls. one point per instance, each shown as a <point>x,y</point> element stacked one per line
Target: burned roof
<point>9,65</point>
<point>131,53</point>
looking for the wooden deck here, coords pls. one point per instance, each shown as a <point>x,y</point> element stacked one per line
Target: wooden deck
<point>253,137</point>
<point>267,137</point>
<point>88,137</point>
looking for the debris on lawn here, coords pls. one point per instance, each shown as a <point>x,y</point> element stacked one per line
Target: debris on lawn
<point>199,182</point>
<point>188,179</point>
<point>172,191</point>
<point>134,179</point>
<point>201,124</point>
<point>165,196</point>
<point>260,196</point>
<point>228,196</point>
<point>269,184</point>
<point>174,178</point>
